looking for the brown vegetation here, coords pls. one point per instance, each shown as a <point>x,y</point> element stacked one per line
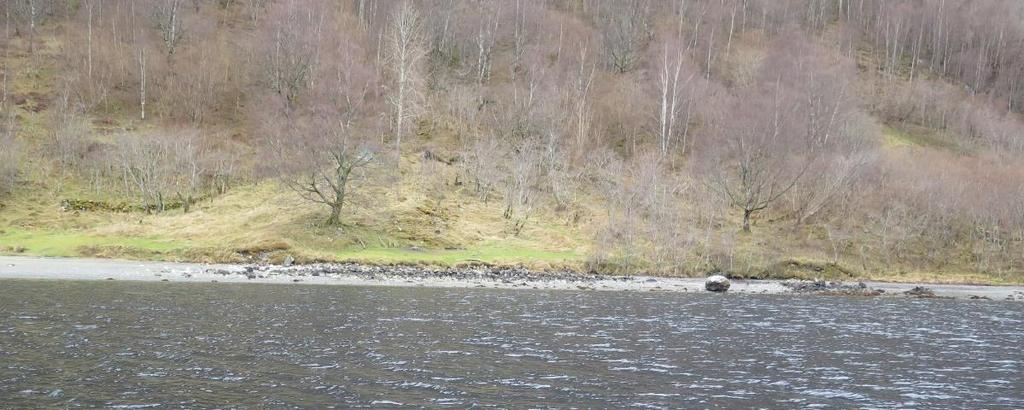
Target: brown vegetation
<point>670,129</point>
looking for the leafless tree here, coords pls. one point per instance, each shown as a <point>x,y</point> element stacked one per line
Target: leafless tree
<point>189,171</point>
<point>799,113</point>
<point>626,29</point>
<point>144,166</point>
<point>31,13</point>
<point>481,158</point>
<point>486,36</point>
<point>673,79</point>
<point>68,134</point>
<point>142,83</point>
<point>521,182</point>
<point>10,150</point>
<point>579,103</point>
<point>255,9</point>
<point>289,50</point>
<point>405,50</point>
<point>321,150</point>
<point>169,21</point>
<point>161,167</point>
<point>320,164</point>
<point>753,168</point>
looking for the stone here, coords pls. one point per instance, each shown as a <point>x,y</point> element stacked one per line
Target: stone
<point>288,261</point>
<point>920,292</point>
<point>717,283</point>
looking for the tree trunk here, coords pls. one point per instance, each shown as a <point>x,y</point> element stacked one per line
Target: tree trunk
<point>335,217</point>
<point>746,220</point>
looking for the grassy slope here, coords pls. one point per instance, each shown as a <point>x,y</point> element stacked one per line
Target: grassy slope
<point>412,223</point>
<point>266,218</point>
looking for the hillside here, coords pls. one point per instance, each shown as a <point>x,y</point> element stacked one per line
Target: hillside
<point>816,140</point>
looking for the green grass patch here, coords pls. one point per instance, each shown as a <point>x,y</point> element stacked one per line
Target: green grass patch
<point>913,136</point>
<point>67,244</point>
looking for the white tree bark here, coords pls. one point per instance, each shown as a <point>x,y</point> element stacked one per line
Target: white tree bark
<point>404,60</point>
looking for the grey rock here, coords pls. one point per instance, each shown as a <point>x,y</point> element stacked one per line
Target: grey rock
<point>288,261</point>
<point>920,292</point>
<point>717,283</point>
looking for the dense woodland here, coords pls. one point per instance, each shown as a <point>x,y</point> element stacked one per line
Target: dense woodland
<point>886,131</point>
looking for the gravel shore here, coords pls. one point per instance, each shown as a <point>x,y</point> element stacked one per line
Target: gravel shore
<point>20,267</point>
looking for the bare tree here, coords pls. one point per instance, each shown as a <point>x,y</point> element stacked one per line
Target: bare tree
<point>159,167</point>
<point>753,167</point>
<point>521,182</point>
<point>321,163</point>
<point>672,103</point>
<point>68,134</point>
<point>144,166</point>
<point>89,6</point>
<point>321,150</point>
<point>579,104</point>
<point>188,169</point>
<point>404,54</point>
<point>142,83</point>
<point>481,158</point>
<point>626,31</point>
<point>10,150</point>
<point>138,38</point>
<point>486,36</point>
<point>255,9</point>
<point>31,12</point>
<point>800,112</point>
<point>169,21</point>
<point>289,53</point>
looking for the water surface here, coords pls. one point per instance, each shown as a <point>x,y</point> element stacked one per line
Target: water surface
<point>168,345</point>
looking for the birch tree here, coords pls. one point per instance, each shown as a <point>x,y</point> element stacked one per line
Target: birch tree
<point>672,79</point>
<point>10,153</point>
<point>405,52</point>
<point>169,22</point>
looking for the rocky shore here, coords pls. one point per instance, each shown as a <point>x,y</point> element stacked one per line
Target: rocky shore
<point>482,276</point>
<point>502,274</point>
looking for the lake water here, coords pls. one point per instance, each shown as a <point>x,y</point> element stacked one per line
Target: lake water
<point>136,345</point>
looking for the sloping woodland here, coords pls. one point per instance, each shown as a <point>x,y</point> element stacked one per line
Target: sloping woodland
<point>820,138</point>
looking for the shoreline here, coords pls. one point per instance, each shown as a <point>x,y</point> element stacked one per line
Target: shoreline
<point>350,274</point>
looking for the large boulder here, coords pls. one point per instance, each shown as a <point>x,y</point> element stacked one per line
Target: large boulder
<point>717,283</point>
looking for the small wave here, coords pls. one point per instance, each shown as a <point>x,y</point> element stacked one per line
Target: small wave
<point>647,405</point>
<point>320,366</point>
<point>920,396</point>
